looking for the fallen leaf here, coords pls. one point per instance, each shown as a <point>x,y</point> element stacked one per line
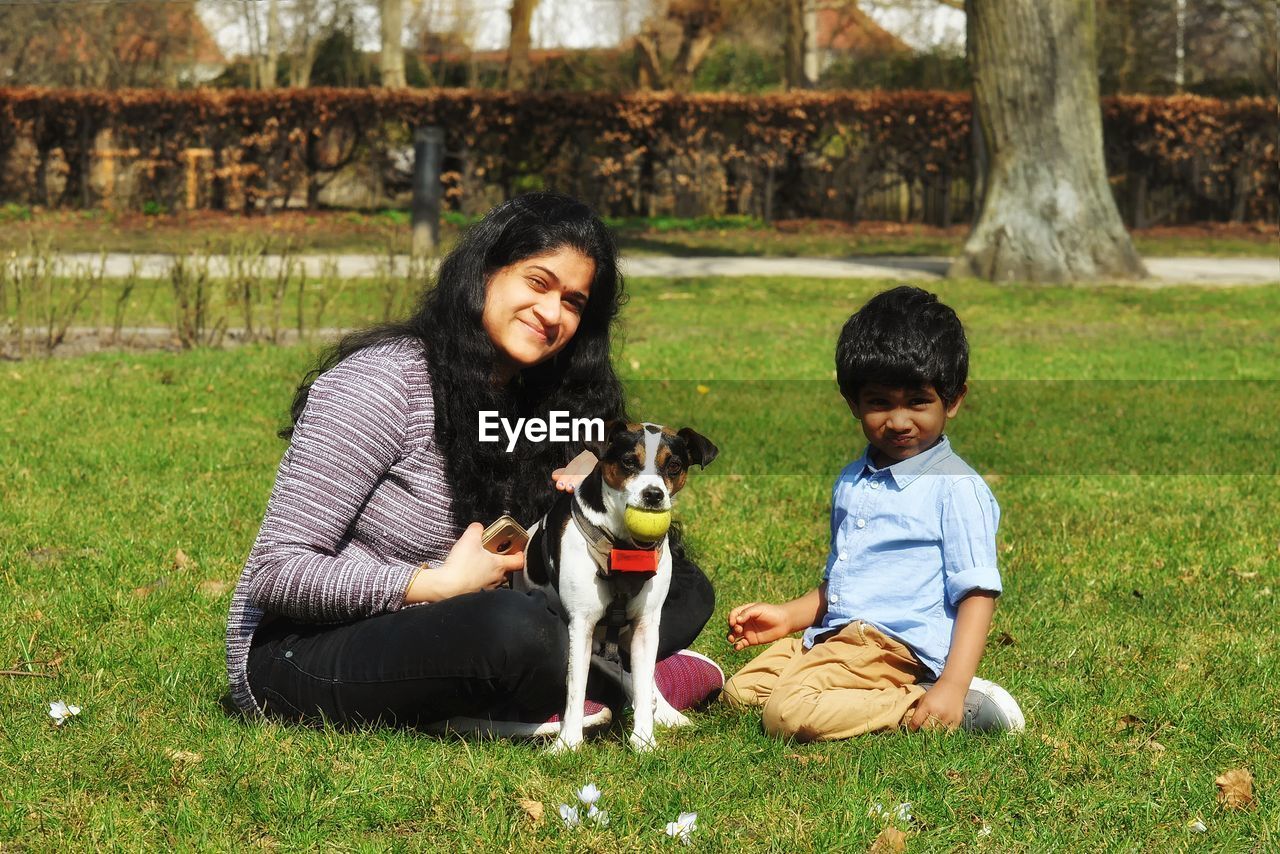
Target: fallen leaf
<point>532,809</point>
<point>702,389</point>
<point>181,560</point>
<point>1183,666</point>
<point>890,841</point>
<point>1245,575</point>
<point>185,757</point>
<point>1057,744</point>
<point>213,587</point>
<point>805,759</point>
<point>151,587</point>
<point>45,556</point>
<point>1235,789</point>
<point>1155,746</point>
<point>1128,722</point>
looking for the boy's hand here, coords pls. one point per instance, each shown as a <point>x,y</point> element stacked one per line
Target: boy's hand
<point>941,708</point>
<point>757,623</point>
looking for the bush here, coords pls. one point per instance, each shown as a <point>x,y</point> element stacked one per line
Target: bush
<point>840,155</point>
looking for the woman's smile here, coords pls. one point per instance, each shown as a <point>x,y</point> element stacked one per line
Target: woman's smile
<point>532,308</point>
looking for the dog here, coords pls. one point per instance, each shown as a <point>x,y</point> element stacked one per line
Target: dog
<point>586,557</point>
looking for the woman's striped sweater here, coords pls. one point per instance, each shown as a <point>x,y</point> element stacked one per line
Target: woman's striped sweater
<point>360,500</point>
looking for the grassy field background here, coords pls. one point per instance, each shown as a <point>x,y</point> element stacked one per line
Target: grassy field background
<point>1129,436</point>
<point>377,232</point>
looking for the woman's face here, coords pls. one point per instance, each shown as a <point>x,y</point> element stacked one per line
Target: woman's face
<point>533,307</point>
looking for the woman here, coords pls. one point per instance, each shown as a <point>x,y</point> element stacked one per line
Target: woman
<point>379,501</point>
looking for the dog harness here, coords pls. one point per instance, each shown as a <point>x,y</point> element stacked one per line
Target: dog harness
<point>624,583</point>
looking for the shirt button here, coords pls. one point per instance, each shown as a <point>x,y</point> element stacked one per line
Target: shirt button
<point>862,523</point>
<point>843,556</point>
<point>875,484</point>
<point>834,598</point>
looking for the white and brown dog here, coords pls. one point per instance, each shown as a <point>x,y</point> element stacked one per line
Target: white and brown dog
<point>602,551</point>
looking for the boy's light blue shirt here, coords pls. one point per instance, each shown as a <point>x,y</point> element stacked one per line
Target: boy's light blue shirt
<point>908,542</point>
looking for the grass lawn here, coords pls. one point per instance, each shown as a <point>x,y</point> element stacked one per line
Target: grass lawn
<point>357,232</point>
<point>1129,436</point>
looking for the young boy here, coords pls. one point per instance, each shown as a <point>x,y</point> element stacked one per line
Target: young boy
<point>893,634</point>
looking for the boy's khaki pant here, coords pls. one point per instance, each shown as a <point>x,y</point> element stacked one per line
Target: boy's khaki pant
<point>856,681</point>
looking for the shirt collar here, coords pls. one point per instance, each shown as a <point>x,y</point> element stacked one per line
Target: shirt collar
<point>909,469</point>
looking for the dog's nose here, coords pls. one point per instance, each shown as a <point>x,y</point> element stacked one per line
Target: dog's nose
<point>652,495</point>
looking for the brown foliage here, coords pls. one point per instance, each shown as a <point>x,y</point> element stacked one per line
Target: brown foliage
<point>793,155</point>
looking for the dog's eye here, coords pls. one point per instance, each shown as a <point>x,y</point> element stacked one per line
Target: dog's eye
<point>674,468</point>
<point>632,462</point>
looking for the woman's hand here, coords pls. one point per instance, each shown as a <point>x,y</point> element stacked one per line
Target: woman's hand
<point>941,708</point>
<point>572,475</point>
<point>757,623</point>
<point>468,568</point>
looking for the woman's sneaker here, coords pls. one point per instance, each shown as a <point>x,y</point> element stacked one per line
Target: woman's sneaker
<point>688,679</point>
<point>514,723</point>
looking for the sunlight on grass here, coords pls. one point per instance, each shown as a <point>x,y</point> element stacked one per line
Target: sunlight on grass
<point>1137,630</point>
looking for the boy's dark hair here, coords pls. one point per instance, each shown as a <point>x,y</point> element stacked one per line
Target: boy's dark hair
<point>903,338</point>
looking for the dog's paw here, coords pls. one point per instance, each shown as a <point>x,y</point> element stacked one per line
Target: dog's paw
<point>562,745</point>
<point>641,744</point>
<point>669,717</point>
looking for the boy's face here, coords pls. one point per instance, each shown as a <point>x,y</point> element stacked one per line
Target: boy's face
<point>901,422</point>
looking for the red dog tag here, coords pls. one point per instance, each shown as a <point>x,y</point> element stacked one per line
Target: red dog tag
<point>633,560</point>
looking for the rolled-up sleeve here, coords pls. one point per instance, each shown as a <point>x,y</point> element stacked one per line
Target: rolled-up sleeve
<point>970,518</point>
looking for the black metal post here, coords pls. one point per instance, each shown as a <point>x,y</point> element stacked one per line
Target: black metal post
<point>428,152</point>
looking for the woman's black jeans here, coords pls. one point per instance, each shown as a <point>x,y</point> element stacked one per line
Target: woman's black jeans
<point>472,655</point>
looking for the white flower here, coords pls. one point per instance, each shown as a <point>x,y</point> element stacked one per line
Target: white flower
<point>1196,826</point>
<point>985,830</point>
<point>599,817</point>
<point>589,794</point>
<point>683,827</point>
<point>903,812</point>
<point>876,811</point>
<point>61,712</point>
<point>569,815</point>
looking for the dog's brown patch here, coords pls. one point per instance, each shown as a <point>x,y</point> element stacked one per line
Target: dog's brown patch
<point>676,483</point>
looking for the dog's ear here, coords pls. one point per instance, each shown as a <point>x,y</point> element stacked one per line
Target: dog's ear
<point>701,450</point>
<point>611,431</point>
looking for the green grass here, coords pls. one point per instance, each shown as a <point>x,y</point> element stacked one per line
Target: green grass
<point>377,232</point>
<point>1137,630</point>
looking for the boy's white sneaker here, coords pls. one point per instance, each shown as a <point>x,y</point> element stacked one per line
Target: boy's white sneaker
<point>989,708</point>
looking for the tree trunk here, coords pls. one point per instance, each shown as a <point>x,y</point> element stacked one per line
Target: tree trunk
<point>271,61</point>
<point>1047,214</point>
<point>648,65</point>
<point>793,49</point>
<point>518,47</point>
<point>392,65</point>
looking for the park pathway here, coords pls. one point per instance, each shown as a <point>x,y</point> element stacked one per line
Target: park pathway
<point>1164,271</point>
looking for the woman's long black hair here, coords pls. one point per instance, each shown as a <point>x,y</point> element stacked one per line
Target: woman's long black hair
<point>486,480</point>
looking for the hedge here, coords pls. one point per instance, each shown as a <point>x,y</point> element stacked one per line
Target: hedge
<point>829,155</point>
